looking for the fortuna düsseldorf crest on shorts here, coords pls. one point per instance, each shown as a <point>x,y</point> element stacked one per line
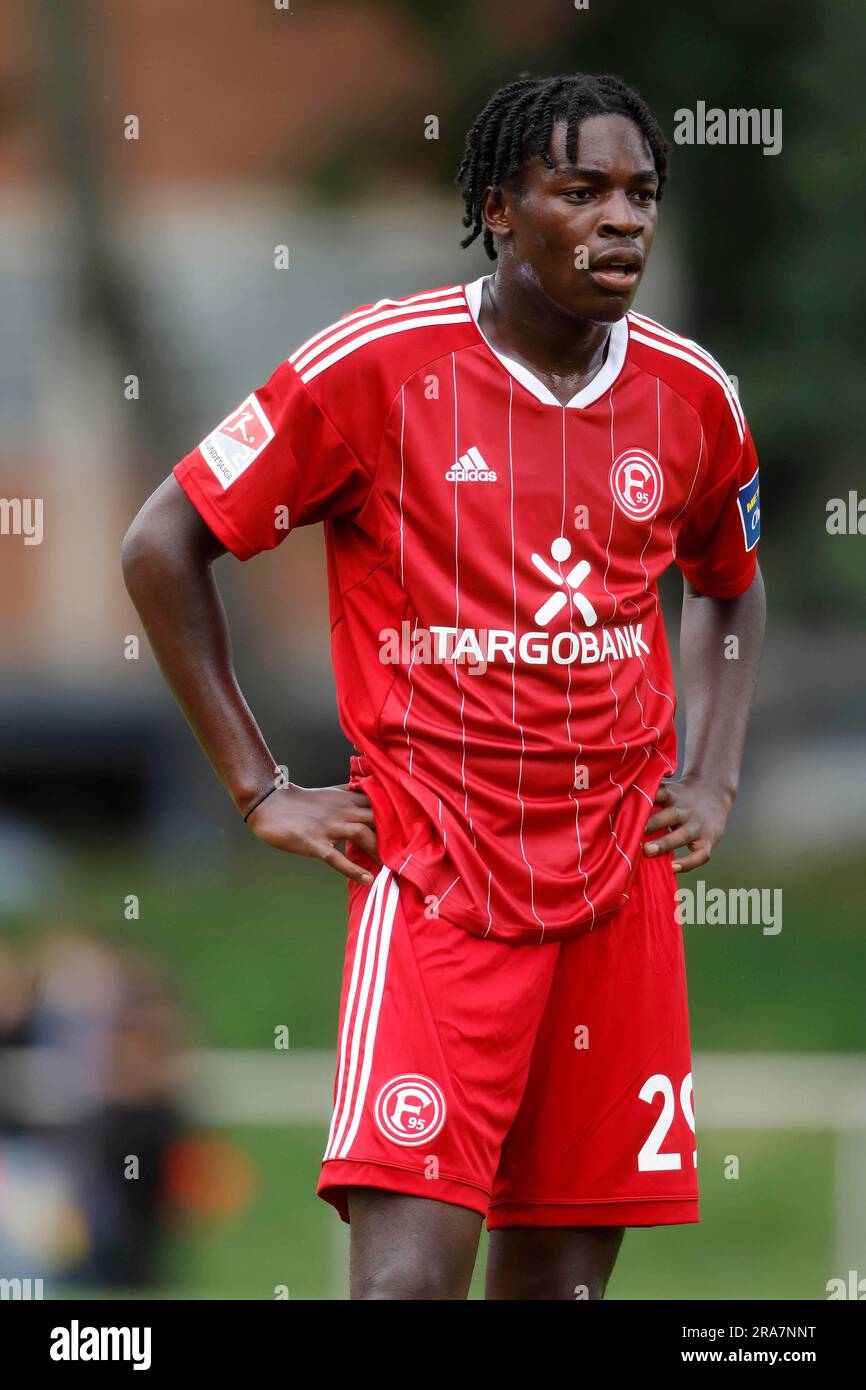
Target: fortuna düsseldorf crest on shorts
<point>410,1109</point>
<point>636,483</point>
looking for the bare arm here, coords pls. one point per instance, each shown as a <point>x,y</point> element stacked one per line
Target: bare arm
<point>719,679</point>
<point>168,554</point>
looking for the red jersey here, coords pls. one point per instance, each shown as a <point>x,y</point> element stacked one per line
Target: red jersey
<point>498,646</point>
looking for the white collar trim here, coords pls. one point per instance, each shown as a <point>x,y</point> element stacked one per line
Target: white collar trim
<point>601,382</point>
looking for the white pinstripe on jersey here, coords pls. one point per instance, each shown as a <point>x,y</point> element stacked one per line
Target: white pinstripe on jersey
<point>402,479</point>
<point>403,577</point>
<point>514,667</point>
<point>457,610</point>
<point>573,789</point>
<point>654,592</point>
<point>612,596</point>
<point>650,728</point>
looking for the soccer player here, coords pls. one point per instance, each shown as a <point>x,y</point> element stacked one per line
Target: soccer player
<point>503,469</point>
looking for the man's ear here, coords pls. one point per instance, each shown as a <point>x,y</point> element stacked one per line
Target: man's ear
<point>496,211</point>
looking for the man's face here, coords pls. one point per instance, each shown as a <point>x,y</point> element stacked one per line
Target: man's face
<point>580,234</point>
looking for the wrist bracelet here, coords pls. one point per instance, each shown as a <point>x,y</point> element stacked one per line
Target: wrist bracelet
<point>264,796</point>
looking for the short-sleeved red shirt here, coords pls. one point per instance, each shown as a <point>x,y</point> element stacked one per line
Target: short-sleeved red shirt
<point>498,645</point>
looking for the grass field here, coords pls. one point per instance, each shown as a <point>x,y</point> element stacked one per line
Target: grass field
<point>768,1235</point>
<point>257,940</point>
<point>257,943</point>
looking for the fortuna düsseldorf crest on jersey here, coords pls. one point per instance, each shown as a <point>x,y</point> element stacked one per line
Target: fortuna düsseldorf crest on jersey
<point>636,483</point>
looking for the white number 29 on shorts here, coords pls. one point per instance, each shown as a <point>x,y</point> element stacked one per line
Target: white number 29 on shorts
<point>650,1159</point>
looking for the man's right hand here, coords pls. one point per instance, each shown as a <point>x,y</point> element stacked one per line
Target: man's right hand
<point>311,820</point>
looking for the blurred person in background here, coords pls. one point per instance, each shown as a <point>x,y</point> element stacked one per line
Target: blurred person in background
<point>89,1111</point>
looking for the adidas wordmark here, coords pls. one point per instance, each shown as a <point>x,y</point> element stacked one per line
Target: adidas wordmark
<point>470,468</point>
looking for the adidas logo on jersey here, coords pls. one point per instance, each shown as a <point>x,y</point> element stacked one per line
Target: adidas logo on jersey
<point>470,468</point>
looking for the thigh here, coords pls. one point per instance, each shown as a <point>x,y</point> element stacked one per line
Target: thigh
<point>551,1262</point>
<point>405,1247</point>
<point>605,1131</point>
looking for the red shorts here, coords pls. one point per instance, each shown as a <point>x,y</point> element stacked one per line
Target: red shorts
<point>539,1085</point>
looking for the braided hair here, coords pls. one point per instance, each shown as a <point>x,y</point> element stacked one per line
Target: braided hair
<point>518,121</point>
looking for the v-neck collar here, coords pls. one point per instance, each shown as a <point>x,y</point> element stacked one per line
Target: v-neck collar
<point>601,382</point>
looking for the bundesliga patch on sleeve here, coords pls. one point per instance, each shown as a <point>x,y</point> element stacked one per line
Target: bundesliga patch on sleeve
<point>749,500</point>
<point>234,444</point>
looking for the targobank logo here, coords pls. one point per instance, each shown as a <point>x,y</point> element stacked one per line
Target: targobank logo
<point>560,550</point>
<point>476,648</point>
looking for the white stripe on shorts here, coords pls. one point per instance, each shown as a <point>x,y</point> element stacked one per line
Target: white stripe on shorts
<point>374,934</point>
